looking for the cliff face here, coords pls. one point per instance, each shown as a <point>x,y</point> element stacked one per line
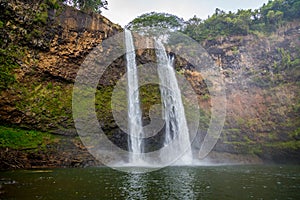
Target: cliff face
<point>51,54</point>
<point>48,45</point>
<point>262,87</point>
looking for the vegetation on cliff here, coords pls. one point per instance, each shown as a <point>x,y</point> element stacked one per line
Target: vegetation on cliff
<point>19,35</point>
<point>86,5</point>
<point>266,19</point>
<point>16,138</point>
<point>155,20</point>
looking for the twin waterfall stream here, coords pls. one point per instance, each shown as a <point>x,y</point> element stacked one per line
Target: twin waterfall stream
<point>172,107</point>
<point>135,126</point>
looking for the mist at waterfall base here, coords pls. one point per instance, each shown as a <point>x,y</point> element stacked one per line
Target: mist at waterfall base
<point>173,112</point>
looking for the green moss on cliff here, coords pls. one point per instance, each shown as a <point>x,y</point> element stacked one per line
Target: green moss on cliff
<point>292,145</point>
<point>103,104</point>
<point>9,57</point>
<point>16,138</point>
<point>22,26</point>
<point>48,103</point>
<point>149,96</point>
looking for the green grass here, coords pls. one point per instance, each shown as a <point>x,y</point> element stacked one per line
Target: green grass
<point>295,144</point>
<point>16,138</point>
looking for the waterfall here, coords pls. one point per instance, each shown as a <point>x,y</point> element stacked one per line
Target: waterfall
<point>135,127</point>
<point>173,110</point>
<point>176,128</point>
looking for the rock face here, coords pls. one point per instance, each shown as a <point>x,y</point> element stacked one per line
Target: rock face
<point>262,88</point>
<point>51,45</point>
<point>261,75</point>
<point>69,152</point>
<point>51,59</point>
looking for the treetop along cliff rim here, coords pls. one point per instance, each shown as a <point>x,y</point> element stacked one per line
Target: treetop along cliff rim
<point>91,71</point>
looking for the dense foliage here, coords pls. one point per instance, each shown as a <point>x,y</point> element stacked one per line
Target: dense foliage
<point>84,5</point>
<point>266,19</point>
<point>155,20</point>
<point>87,5</point>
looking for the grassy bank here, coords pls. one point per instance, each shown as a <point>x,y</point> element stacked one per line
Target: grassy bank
<point>16,138</point>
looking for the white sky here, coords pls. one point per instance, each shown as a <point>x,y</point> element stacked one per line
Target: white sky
<point>124,11</point>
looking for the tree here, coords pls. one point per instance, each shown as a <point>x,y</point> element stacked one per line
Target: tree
<point>244,21</point>
<point>192,27</point>
<point>155,20</point>
<point>88,5</point>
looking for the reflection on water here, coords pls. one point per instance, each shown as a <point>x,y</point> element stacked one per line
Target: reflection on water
<point>134,186</point>
<point>179,184</point>
<point>222,182</point>
<point>168,184</point>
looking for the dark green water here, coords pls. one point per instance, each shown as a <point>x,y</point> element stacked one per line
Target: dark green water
<point>215,182</point>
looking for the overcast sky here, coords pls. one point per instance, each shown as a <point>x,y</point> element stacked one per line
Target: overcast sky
<point>124,11</point>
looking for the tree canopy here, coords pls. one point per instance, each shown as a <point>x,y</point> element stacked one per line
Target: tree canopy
<point>156,20</point>
<point>265,19</point>
<point>88,5</point>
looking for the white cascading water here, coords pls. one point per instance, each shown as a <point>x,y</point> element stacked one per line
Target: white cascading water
<point>135,126</point>
<point>173,110</point>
